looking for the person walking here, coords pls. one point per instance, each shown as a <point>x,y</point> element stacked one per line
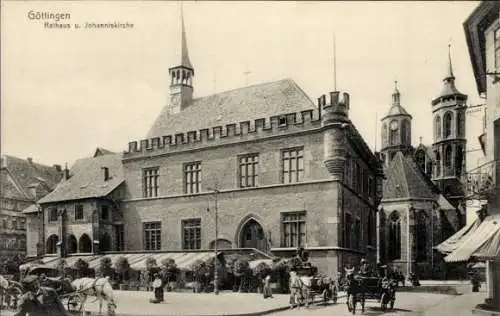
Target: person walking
<point>267,291</point>
<point>158,291</point>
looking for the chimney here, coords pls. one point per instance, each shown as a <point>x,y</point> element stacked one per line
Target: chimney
<point>106,173</point>
<point>30,160</point>
<point>57,167</point>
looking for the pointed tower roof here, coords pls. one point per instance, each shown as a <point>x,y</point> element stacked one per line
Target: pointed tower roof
<point>396,108</point>
<point>183,55</point>
<point>449,88</point>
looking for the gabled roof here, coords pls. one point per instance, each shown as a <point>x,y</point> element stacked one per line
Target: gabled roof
<point>405,180</point>
<point>101,151</point>
<point>27,173</point>
<point>87,179</point>
<point>234,106</point>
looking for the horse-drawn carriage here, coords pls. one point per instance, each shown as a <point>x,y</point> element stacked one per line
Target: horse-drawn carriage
<point>360,288</point>
<point>305,284</point>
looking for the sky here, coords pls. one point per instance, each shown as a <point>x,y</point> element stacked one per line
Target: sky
<point>66,92</point>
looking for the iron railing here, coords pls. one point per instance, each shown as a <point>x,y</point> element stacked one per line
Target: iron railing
<point>480,181</point>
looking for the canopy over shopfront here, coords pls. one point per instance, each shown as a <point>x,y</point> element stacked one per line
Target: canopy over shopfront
<point>457,239</point>
<point>483,242</point>
<point>137,261</point>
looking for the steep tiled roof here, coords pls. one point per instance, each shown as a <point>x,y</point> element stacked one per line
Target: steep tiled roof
<point>28,173</point>
<point>405,180</point>
<point>9,188</point>
<point>87,179</point>
<point>248,103</point>
<point>101,151</point>
<point>397,110</point>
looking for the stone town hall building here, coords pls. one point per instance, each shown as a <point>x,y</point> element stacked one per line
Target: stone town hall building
<point>280,170</point>
<point>286,172</point>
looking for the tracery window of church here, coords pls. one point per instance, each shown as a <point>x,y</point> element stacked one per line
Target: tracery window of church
<point>448,159</point>
<point>438,163</point>
<point>421,236</point>
<point>394,236</point>
<point>437,126</point>
<point>459,157</point>
<point>447,119</point>
<point>393,133</point>
<point>420,159</point>
<point>460,124</point>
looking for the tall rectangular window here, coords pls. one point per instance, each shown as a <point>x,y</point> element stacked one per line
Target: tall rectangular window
<point>120,237</point>
<point>497,48</point>
<point>78,212</point>
<point>357,233</point>
<point>293,165</point>
<point>348,230</point>
<point>105,212</point>
<point>191,233</point>
<point>150,182</point>
<point>192,177</point>
<point>249,170</point>
<point>152,236</point>
<point>293,229</point>
<point>52,214</point>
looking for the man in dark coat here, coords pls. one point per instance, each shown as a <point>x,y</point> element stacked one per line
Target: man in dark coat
<point>39,300</point>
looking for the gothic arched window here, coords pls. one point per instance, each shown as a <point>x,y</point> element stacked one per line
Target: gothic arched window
<point>384,134</point>
<point>447,118</point>
<point>405,132</point>
<point>447,159</point>
<point>437,126</point>
<point>393,133</point>
<point>459,157</point>
<point>421,236</point>
<point>460,124</point>
<point>420,159</point>
<point>394,236</point>
<point>438,163</point>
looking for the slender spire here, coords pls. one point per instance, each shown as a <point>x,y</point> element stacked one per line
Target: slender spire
<point>396,96</point>
<point>185,62</point>
<point>449,70</point>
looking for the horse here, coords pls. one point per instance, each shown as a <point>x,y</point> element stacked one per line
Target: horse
<point>354,288</point>
<point>98,287</point>
<point>300,289</point>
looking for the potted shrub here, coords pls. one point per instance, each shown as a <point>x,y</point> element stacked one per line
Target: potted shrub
<point>122,268</point>
<point>241,273</point>
<point>151,269</point>
<point>171,273</point>
<point>198,275</point>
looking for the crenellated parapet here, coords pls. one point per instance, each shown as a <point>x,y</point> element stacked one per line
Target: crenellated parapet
<point>335,119</point>
<point>227,134</point>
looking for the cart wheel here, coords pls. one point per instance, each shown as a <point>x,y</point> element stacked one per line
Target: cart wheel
<point>74,303</point>
<point>383,301</point>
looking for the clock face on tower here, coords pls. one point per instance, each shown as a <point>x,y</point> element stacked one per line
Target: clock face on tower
<point>175,99</point>
<point>394,125</point>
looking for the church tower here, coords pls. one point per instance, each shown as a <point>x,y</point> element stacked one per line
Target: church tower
<point>181,75</point>
<point>448,112</point>
<point>396,130</point>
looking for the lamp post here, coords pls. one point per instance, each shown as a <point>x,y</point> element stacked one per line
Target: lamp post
<point>216,272</point>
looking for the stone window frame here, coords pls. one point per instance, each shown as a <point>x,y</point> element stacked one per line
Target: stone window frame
<point>53,214</point>
<point>294,172</point>
<point>192,177</point>
<point>293,219</point>
<point>79,214</point>
<point>103,212</point>
<point>395,223</point>
<point>150,182</point>
<point>151,235</point>
<point>191,233</point>
<point>248,162</point>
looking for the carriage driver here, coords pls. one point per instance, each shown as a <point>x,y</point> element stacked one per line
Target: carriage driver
<point>365,268</point>
<point>39,300</point>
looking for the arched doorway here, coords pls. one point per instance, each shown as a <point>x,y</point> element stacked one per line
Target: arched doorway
<point>85,244</point>
<point>52,243</point>
<point>221,244</point>
<point>72,244</point>
<point>252,236</point>
<point>105,242</point>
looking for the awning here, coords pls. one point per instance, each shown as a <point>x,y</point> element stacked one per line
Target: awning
<point>37,263</point>
<point>454,242</point>
<point>255,263</point>
<point>491,248</point>
<point>486,231</point>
